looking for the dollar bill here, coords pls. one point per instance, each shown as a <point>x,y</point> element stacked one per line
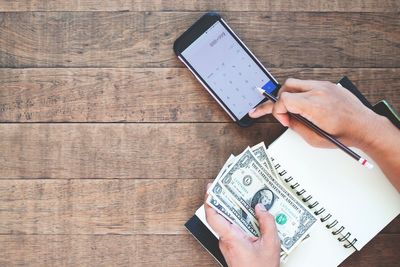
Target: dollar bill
<point>238,212</point>
<point>219,205</point>
<point>227,164</point>
<point>260,151</point>
<point>248,183</point>
<point>225,212</point>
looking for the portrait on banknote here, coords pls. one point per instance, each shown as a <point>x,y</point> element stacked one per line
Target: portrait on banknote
<point>264,196</point>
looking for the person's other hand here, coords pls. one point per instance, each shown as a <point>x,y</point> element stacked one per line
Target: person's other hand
<point>329,106</point>
<point>240,249</point>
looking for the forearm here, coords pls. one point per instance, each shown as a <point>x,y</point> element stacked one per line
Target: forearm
<point>382,144</point>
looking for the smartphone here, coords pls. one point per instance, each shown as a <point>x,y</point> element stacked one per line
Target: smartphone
<point>225,67</point>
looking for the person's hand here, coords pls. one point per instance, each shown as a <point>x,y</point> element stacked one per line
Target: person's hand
<point>329,106</point>
<point>240,249</point>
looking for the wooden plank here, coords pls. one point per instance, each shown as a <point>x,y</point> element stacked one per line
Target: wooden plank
<point>124,150</point>
<point>381,251</point>
<point>203,5</point>
<point>147,250</point>
<point>102,250</point>
<point>119,94</point>
<point>393,227</point>
<point>138,39</point>
<point>109,206</point>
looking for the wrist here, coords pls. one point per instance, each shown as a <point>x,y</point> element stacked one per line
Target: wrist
<point>370,130</point>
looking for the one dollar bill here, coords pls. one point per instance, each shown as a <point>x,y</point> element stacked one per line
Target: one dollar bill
<point>235,212</point>
<point>248,183</point>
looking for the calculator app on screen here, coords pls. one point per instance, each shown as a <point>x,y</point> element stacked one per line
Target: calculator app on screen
<point>228,70</point>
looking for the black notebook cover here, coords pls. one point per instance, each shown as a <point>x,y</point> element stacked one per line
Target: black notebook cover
<point>206,238</point>
<point>382,110</point>
<point>346,83</point>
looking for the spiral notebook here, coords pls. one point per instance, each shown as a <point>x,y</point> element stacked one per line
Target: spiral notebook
<point>353,203</point>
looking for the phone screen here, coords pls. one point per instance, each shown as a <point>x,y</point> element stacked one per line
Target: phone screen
<point>228,69</point>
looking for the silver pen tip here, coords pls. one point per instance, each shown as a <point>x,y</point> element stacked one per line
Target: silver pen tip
<point>260,90</point>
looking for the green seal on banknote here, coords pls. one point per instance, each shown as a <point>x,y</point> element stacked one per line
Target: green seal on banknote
<point>281,218</point>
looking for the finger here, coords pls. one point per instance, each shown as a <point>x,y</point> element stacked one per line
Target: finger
<point>267,223</point>
<point>298,103</point>
<point>297,85</point>
<point>309,135</point>
<point>206,195</point>
<point>280,113</point>
<point>261,110</point>
<point>290,86</point>
<point>252,238</point>
<point>218,223</point>
<point>224,247</point>
<point>238,232</point>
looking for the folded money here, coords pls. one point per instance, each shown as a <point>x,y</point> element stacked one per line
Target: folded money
<point>249,179</point>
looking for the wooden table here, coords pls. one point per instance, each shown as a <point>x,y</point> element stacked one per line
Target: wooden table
<point>99,169</point>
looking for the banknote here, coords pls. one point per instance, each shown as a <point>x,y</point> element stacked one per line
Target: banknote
<point>248,183</point>
<point>236,211</point>
<point>260,151</point>
<point>220,206</point>
<point>225,211</point>
<point>228,163</point>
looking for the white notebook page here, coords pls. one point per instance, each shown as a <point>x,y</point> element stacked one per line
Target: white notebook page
<point>362,200</point>
<point>320,249</point>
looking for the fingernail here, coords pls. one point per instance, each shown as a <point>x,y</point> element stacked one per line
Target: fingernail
<point>252,111</point>
<point>208,185</point>
<point>261,207</point>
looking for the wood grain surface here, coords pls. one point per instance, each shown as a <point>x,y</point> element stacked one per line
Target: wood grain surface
<point>144,39</point>
<point>103,206</point>
<point>107,142</point>
<point>100,206</point>
<point>147,94</point>
<point>148,250</point>
<point>202,5</point>
<point>179,150</point>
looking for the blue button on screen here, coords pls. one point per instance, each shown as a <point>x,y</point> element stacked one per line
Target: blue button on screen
<point>269,87</point>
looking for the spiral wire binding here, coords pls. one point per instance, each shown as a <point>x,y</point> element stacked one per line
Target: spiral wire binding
<point>337,230</point>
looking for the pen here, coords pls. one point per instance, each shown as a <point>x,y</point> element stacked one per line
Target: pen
<point>321,132</point>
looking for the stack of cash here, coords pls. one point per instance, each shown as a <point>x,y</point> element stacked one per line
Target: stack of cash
<point>250,178</point>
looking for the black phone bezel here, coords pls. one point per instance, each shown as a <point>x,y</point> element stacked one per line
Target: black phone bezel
<point>194,32</point>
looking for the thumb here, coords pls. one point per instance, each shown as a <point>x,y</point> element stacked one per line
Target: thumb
<point>267,223</point>
<point>261,110</point>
